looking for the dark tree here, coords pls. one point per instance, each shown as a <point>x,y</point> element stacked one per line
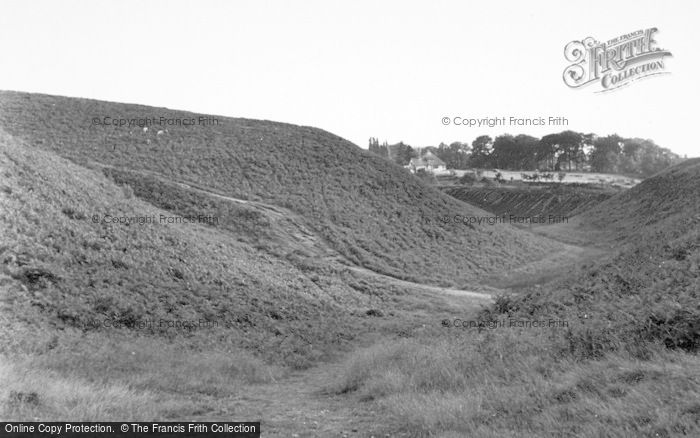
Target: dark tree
<point>605,154</point>
<point>375,148</point>
<point>455,156</point>
<point>482,148</point>
<point>526,153</point>
<point>547,152</point>
<point>505,152</point>
<point>644,157</point>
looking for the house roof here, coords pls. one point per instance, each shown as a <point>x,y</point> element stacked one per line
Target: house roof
<point>432,159</point>
<point>428,159</point>
<point>418,162</point>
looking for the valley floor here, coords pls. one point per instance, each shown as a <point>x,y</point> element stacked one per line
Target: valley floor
<point>410,376</point>
<point>302,403</point>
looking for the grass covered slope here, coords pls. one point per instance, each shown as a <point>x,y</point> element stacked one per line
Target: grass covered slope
<point>556,200</point>
<point>61,268</point>
<point>669,200</point>
<point>372,212</point>
<point>664,206</point>
<point>625,363</point>
<point>648,289</point>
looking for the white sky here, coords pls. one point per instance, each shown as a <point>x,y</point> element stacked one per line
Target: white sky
<point>387,69</point>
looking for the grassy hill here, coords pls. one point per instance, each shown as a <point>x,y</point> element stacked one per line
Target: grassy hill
<point>90,307</point>
<point>663,207</point>
<point>62,269</point>
<point>264,285</point>
<point>371,212</point>
<point>667,204</point>
<point>269,271</point>
<point>648,289</point>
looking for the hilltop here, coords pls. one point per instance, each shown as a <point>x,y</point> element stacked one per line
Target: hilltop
<point>371,212</point>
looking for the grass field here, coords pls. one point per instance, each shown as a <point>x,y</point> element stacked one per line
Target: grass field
<point>568,177</point>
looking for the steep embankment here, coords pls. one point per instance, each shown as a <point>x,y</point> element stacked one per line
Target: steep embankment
<point>65,264</point>
<point>371,211</point>
<point>648,289</point>
<point>664,206</point>
<point>555,200</point>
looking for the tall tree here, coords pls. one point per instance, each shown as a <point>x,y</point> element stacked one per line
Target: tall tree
<point>525,153</point>
<point>547,154</point>
<point>505,152</point>
<point>567,148</point>
<point>455,155</point>
<point>482,147</point>
<point>605,154</point>
<point>571,146</point>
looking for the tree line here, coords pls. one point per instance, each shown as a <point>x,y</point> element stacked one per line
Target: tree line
<point>563,151</point>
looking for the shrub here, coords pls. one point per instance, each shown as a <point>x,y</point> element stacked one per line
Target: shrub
<point>37,278</point>
<point>467,179</point>
<point>505,304</point>
<point>30,398</point>
<point>72,213</point>
<point>676,328</point>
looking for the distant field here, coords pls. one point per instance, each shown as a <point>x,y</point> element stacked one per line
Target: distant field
<point>571,177</point>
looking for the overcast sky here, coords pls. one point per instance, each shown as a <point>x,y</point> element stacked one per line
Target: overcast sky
<point>386,69</point>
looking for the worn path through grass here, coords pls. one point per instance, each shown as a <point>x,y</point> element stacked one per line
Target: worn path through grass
<point>298,405</point>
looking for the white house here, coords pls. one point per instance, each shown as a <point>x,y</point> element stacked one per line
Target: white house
<point>428,162</point>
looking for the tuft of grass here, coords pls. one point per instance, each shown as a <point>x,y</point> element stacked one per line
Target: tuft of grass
<point>28,393</point>
<point>514,384</point>
<point>153,364</point>
<point>90,377</point>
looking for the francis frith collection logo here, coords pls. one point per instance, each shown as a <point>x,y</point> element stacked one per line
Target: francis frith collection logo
<point>614,63</point>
